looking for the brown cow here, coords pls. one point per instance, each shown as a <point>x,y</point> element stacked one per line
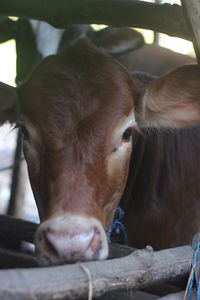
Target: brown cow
<point>166,212</point>
<point>77,112</point>
<point>154,59</point>
<point>162,196</point>
<point>128,47</point>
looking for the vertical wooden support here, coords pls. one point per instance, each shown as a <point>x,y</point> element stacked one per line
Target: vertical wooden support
<point>21,190</point>
<point>191,10</point>
<point>156,34</point>
<point>15,177</point>
<point>27,57</point>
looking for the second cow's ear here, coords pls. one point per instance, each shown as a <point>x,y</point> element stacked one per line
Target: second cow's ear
<point>172,100</point>
<point>116,41</point>
<point>8,103</point>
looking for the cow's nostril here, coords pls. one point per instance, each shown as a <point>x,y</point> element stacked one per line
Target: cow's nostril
<point>95,243</point>
<point>48,247</point>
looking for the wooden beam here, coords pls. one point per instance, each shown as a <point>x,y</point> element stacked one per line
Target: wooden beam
<point>15,199</point>
<point>164,18</point>
<point>16,230</point>
<point>12,259</point>
<point>7,28</point>
<point>140,269</point>
<point>192,14</point>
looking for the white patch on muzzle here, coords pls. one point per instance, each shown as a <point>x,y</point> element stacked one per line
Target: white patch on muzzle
<point>70,238</point>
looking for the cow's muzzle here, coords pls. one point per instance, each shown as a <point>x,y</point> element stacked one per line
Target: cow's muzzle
<point>70,238</point>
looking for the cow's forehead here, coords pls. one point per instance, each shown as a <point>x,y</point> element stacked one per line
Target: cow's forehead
<point>72,88</point>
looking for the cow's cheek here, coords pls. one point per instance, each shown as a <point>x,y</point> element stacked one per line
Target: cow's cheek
<point>36,178</point>
<point>117,170</point>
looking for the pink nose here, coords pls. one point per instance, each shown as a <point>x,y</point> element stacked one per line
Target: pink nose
<point>70,238</point>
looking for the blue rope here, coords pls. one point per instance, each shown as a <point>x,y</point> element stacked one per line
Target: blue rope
<point>192,279</point>
<point>198,290</point>
<point>117,226</point>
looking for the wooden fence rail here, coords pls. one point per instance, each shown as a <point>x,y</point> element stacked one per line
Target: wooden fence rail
<point>164,18</point>
<point>140,269</point>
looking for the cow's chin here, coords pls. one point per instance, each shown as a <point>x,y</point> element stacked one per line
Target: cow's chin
<point>70,238</point>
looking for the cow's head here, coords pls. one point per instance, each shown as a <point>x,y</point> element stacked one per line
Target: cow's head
<point>78,112</point>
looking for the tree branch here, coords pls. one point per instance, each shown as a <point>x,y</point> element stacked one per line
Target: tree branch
<point>164,18</point>
<point>140,269</point>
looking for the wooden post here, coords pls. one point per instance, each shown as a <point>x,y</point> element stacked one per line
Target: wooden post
<point>191,10</point>
<point>15,178</point>
<point>156,37</point>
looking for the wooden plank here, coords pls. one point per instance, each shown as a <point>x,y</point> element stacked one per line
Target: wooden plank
<point>11,259</point>
<point>192,13</point>
<point>16,230</point>
<point>164,18</point>
<point>7,28</point>
<point>140,269</point>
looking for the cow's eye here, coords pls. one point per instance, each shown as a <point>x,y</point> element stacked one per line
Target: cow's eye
<point>127,134</point>
<point>25,132</point>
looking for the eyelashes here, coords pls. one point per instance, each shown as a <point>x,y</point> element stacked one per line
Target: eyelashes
<point>127,134</point>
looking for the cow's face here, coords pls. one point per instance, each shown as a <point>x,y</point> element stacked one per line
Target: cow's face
<point>77,118</point>
<point>78,111</point>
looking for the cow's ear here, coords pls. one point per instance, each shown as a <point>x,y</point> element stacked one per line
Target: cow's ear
<point>172,100</point>
<point>116,41</point>
<point>8,103</point>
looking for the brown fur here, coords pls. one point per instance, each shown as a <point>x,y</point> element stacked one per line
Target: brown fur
<point>66,101</point>
<point>166,212</point>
